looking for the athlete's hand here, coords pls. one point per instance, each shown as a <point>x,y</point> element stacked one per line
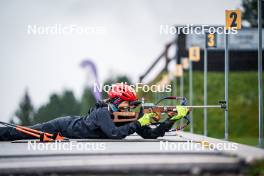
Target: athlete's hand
<point>181,112</point>
<point>171,113</point>
<point>147,119</point>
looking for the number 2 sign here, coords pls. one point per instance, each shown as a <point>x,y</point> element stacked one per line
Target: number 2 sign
<point>233,19</point>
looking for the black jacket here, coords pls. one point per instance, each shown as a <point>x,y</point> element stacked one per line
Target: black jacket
<point>98,124</point>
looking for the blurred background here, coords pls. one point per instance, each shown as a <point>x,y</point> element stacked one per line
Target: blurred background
<point>48,75</point>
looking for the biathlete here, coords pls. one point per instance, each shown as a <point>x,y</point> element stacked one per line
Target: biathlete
<point>99,122</point>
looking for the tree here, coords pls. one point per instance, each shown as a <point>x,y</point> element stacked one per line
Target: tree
<point>124,79</point>
<point>250,12</point>
<point>87,101</point>
<point>50,110</point>
<point>25,111</point>
<point>70,104</point>
<point>58,106</point>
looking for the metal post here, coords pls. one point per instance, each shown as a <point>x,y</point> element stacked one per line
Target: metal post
<point>175,57</point>
<point>175,84</point>
<point>156,96</point>
<point>226,84</point>
<point>260,84</point>
<point>182,83</point>
<point>181,88</point>
<point>190,94</point>
<point>205,87</point>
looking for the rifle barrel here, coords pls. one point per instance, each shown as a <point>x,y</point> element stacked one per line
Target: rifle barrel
<point>194,106</point>
<point>207,106</point>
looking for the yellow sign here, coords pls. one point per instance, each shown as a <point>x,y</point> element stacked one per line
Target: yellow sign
<point>194,54</point>
<point>178,70</point>
<point>165,80</point>
<point>233,19</point>
<point>210,40</point>
<point>185,63</point>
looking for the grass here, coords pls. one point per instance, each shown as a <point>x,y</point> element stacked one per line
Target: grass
<point>246,140</point>
<point>243,105</point>
<point>255,169</point>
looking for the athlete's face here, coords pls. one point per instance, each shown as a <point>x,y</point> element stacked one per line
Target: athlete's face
<point>123,106</point>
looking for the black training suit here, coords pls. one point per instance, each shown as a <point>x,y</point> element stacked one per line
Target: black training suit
<point>98,124</point>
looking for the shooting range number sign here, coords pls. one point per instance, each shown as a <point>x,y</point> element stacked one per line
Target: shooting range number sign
<point>179,70</point>
<point>185,63</point>
<point>194,54</point>
<point>211,41</point>
<point>233,19</point>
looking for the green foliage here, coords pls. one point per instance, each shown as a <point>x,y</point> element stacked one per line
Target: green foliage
<point>87,101</point>
<point>70,104</point>
<point>255,169</point>
<point>25,111</point>
<point>123,78</point>
<point>63,105</point>
<point>250,12</point>
<point>243,104</point>
<point>243,101</point>
<point>154,97</point>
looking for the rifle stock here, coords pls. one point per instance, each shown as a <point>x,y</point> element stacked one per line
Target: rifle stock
<point>132,116</point>
<point>125,116</point>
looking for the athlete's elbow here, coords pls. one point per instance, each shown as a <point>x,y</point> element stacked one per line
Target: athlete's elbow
<point>150,137</point>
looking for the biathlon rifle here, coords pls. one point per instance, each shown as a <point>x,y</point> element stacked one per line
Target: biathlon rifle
<point>128,116</point>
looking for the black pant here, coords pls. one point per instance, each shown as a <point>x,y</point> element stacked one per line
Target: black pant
<point>52,126</point>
